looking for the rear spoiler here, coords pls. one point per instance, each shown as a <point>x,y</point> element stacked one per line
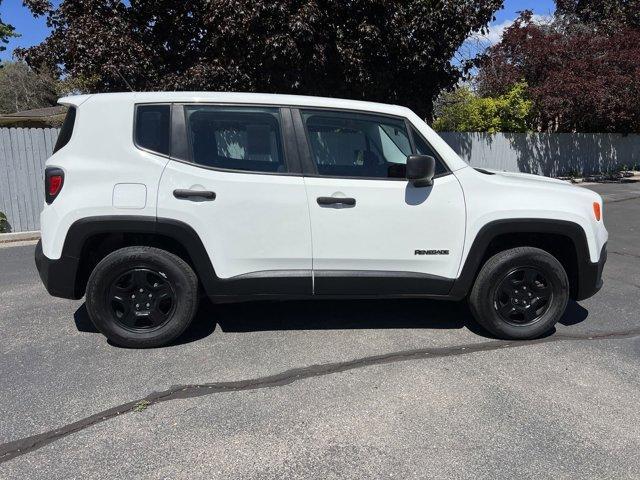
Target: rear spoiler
<point>74,100</point>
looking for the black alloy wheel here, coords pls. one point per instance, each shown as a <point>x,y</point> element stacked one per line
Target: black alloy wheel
<point>523,296</point>
<point>141,299</point>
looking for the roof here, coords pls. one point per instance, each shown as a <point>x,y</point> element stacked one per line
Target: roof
<point>38,112</point>
<point>238,97</point>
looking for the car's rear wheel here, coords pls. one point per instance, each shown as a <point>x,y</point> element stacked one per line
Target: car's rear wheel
<point>520,293</point>
<point>142,297</point>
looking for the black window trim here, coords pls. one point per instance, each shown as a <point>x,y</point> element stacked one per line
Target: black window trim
<point>135,124</point>
<point>304,145</point>
<point>295,142</point>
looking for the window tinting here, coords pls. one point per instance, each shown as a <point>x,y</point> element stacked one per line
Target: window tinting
<point>66,130</point>
<point>357,145</point>
<point>235,138</point>
<point>153,126</point>
<point>423,148</point>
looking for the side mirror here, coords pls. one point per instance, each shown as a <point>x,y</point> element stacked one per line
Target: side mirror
<point>420,170</point>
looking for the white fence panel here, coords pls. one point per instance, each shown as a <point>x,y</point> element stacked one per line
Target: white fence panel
<point>550,154</point>
<point>23,152</point>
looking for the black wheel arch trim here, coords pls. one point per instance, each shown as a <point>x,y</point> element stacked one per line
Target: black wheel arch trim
<point>589,274</point>
<point>59,276</point>
<point>296,282</point>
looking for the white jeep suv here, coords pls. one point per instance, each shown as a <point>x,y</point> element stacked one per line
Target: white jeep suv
<point>153,198</point>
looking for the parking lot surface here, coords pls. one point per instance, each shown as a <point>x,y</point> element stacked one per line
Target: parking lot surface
<point>331,389</point>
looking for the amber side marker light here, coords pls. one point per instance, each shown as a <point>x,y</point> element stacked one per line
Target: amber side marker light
<point>596,211</point>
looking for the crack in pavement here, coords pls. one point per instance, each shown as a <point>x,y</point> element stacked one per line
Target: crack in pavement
<point>13,449</point>
<point>625,254</point>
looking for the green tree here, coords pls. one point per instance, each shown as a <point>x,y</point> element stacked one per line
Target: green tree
<point>464,111</point>
<point>380,50</point>
<point>22,89</point>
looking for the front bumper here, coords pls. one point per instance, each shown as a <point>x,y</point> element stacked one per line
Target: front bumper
<point>58,276</point>
<point>590,276</point>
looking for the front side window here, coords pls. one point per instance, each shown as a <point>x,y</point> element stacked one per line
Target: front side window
<point>357,145</point>
<point>423,148</point>
<point>237,138</point>
<point>153,126</point>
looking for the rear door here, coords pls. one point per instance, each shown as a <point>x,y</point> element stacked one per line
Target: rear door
<point>373,232</point>
<point>234,179</point>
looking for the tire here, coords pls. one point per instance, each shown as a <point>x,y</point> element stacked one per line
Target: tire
<point>520,293</point>
<point>142,297</point>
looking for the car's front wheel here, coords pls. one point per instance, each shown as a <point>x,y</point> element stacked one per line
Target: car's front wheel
<point>520,293</point>
<point>142,297</point>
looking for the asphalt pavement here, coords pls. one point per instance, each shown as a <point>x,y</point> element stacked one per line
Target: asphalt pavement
<point>331,389</point>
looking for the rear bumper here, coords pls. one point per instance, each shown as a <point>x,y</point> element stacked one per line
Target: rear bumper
<point>58,276</point>
<point>590,276</point>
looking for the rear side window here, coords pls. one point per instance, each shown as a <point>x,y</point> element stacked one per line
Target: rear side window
<point>236,138</point>
<point>67,129</point>
<point>153,126</point>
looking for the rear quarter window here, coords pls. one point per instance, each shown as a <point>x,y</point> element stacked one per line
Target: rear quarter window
<point>67,129</point>
<point>153,127</point>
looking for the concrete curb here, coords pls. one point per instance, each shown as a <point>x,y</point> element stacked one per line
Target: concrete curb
<point>19,237</point>
<point>630,176</point>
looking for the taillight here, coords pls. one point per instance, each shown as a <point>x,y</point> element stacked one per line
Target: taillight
<point>53,182</point>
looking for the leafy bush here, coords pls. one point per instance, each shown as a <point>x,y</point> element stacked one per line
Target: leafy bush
<point>464,111</point>
<point>4,224</point>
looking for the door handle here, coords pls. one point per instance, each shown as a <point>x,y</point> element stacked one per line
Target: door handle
<point>187,194</point>
<point>336,201</point>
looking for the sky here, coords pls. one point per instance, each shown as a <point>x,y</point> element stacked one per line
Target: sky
<point>506,16</point>
<point>33,30</point>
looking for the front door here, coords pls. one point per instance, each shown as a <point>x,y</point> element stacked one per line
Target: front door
<point>237,189</point>
<point>372,231</point>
